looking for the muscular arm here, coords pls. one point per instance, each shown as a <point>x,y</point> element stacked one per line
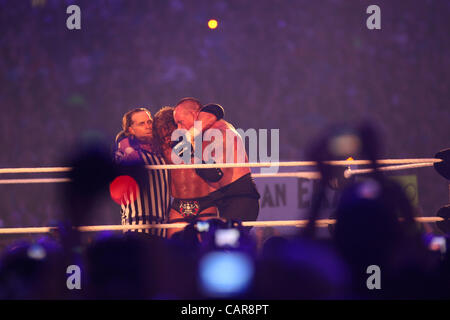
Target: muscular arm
<point>209,114</point>
<point>232,149</point>
<point>207,117</point>
<point>207,120</point>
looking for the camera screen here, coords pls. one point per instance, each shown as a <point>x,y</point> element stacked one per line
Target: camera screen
<point>223,274</point>
<point>438,244</point>
<point>202,226</point>
<point>227,237</point>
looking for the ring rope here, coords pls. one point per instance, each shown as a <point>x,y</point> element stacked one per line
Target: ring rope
<point>313,175</point>
<point>305,174</point>
<point>349,172</point>
<point>237,165</point>
<point>35,170</point>
<point>25,181</point>
<point>280,223</point>
<point>301,174</point>
<point>291,163</point>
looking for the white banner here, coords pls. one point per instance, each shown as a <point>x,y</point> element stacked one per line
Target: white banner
<point>290,199</point>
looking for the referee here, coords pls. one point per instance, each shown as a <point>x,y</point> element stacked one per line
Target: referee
<point>134,149</point>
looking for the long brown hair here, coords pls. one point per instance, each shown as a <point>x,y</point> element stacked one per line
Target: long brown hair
<point>163,121</point>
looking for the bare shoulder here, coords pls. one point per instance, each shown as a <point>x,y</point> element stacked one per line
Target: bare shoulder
<point>223,126</point>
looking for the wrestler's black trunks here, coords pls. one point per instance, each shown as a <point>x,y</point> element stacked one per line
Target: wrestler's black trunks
<point>191,208</point>
<point>239,200</point>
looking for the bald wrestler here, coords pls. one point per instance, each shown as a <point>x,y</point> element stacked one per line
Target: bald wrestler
<point>235,193</point>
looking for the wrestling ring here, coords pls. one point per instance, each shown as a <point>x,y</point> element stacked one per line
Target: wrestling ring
<point>440,163</point>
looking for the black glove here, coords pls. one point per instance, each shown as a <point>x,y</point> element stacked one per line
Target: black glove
<point>210,174</point>
<point>181,146</point>
<point>214,109</point>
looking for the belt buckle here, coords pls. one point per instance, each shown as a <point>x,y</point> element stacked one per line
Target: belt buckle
<point>189,207</point>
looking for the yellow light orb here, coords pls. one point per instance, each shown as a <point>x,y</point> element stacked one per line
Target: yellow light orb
<point>212,24</point>
<point>350,159</point>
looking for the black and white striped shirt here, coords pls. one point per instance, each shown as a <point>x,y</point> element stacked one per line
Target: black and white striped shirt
<point>153,199</point>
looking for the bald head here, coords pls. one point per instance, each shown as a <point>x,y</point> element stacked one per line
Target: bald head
<point>190,104</point>
<point>186,111</point>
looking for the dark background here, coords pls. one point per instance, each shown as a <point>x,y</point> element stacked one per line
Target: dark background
<point>294,65</point>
